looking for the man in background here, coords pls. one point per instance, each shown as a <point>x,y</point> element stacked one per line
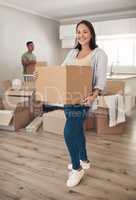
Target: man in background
<point>29,59</point>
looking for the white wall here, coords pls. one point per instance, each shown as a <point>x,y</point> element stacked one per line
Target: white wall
<point>16,28</point>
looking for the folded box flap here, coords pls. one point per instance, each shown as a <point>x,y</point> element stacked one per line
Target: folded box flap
<point>6,117</point>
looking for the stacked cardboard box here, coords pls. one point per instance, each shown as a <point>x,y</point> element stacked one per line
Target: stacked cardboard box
<point>114,87</point>
<point>102,114</point>
<point>21,96</point>
<point>102,123</point>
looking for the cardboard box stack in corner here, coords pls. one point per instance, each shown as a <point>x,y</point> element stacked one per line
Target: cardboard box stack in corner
<point>18,106</point>
<point>15,111</point>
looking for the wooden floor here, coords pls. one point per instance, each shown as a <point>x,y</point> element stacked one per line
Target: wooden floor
<point>34,167</point>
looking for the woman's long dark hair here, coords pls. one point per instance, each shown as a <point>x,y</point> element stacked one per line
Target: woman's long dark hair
<point>92,43</point>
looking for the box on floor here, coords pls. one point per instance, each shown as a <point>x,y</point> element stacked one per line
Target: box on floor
<point>14,117</point>
<point>63,84</point>
<point>26,97</point>
<point>102,123</point>
<point>102,114</point>
<point>54,122</point>
<point>89,122</point>
<point>38,108</point>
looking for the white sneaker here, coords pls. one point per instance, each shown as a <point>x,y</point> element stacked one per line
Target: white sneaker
<point>75,177</point>
<point>84,165</point>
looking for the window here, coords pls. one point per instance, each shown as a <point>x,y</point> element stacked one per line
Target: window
<point>121,49</point>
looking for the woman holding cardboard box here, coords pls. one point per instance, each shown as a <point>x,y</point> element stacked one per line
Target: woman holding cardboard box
<point>86,53</point>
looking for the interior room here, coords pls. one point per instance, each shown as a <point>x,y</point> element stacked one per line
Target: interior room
<point>68,67</point>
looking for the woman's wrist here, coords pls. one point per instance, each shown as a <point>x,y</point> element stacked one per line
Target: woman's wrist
<point>95,93</point>
<point>94,96</point>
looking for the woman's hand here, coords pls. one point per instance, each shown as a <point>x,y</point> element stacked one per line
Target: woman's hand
<point>89,100</point>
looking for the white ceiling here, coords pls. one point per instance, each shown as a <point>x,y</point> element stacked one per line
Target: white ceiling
<point>62,10</point>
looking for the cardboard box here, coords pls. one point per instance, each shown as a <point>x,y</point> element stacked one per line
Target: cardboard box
<point>89,122</point>
<point>13,118</point>
<point>114,87</point>
<point>38,108</point>
<point>5,116</point>
<point>34,125</point>
<point>31,69</point>
<point>102,113</point>
<point>63,84</point>
<point>41,64</point>
<point>102,123</point>
<point>54,122</point>
<point>25,97</point>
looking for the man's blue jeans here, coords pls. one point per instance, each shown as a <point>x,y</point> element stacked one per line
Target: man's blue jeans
<point>74,133</point>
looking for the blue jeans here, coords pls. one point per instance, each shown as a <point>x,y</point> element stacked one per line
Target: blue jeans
<point>74,133</point>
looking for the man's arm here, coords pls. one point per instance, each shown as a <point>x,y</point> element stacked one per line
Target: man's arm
<point>26,62</point>
<point>32,62</point>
